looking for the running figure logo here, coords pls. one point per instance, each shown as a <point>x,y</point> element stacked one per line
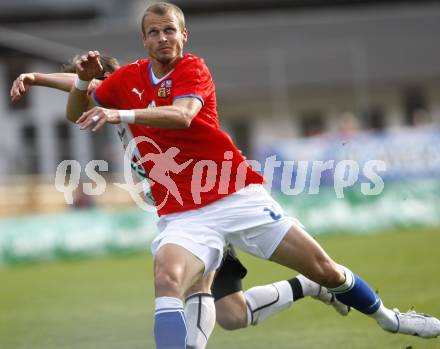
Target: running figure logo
<point>164,164</point>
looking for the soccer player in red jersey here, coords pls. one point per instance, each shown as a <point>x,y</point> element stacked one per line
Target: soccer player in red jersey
<point>206,301</point>
<point>168,101</point>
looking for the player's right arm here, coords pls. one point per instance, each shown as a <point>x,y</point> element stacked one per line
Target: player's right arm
<point>87,68</point>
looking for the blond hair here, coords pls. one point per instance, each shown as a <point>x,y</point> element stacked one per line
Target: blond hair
<point>162,9</point>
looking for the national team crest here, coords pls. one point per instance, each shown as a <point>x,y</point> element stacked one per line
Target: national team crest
<point>164,89</point>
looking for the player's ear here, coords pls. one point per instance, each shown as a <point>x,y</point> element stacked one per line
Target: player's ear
<point>185,35</point>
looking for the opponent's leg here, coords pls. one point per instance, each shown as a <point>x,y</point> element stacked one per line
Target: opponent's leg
<point>175,270</point>
<point>268,300</point>
<point>200,313</point>
<point>232,311</point>
<point>237,309</point>
<point>320,293</point>
<point>227,289</point>
<point>241,309</point>
<point>265,301</point>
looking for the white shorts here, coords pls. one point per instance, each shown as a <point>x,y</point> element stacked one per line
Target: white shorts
<point>250,219</point>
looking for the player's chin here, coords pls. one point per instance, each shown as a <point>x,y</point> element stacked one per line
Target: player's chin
<point>166,58</point>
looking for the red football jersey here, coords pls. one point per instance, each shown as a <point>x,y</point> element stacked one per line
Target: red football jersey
<point>188,168</point>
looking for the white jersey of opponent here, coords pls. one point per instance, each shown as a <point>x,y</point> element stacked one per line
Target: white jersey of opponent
<point>126,137</point>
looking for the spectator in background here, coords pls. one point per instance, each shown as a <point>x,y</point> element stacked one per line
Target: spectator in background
<point>348,124</point>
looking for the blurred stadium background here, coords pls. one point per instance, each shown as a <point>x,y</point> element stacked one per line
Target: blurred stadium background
<point>299,79</point>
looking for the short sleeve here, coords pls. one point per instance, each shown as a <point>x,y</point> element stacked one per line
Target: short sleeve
<point>194,81</point>
<point>107,93</point>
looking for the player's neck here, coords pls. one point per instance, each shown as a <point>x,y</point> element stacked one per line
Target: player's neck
<point>162,69</point>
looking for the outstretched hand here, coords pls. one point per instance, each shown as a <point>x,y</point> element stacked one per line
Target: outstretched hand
<point>97,117</point>
<point>21,85</point>
<point>89,66</point>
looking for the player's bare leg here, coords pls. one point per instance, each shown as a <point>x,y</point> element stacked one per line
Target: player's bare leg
<point>299,251</point>
<point>175,270</point>
<point>200,312</point>
<point>232,311</point>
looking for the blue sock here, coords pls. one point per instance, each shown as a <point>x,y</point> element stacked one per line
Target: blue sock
<point>356,293</point>
<point>169,324</point>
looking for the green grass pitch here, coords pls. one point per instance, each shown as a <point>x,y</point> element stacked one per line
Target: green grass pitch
<point>108,302</point>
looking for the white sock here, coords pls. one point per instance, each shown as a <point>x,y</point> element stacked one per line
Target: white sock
<point>348,282</point>
<point>309,287</point>
<point>200,319</point>
<point>386,318</point>
<point>265,301</point>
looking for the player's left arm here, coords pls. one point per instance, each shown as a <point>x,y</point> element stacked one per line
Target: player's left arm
<point>178,115</point>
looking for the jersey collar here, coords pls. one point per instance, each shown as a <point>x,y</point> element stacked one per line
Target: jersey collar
<point>153,79</point>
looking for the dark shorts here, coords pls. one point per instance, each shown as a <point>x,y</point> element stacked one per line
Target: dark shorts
<point>229,275</point>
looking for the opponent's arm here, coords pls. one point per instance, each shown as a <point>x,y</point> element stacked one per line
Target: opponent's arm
<point>88,67</point>
<point>177,115</point>
<point>59,81</point>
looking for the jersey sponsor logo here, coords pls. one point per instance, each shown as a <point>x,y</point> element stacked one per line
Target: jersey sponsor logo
<point>135,90</point>
<point>275,216</point>
<point>164,90</point>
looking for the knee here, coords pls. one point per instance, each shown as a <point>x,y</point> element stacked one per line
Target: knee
<point>231,313</point>
<point>168,281</point>
<point>231,321</point>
